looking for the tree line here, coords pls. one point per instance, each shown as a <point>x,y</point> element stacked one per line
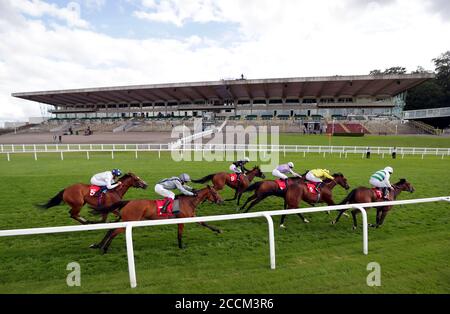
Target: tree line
<point>433,93</point>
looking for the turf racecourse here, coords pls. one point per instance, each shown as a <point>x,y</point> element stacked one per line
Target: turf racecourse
<point>413,247</point>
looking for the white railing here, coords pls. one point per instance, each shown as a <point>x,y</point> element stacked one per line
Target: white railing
<point>426,113</point>
<point>266,214</point>
<point>343,151</point>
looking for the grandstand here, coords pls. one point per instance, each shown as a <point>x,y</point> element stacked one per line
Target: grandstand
<point>300,104</point>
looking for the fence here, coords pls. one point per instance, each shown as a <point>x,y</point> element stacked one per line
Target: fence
<point>343,151</point>
<point>266,214</point>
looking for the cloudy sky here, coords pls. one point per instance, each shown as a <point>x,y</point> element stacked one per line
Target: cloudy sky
<point>58,44</point>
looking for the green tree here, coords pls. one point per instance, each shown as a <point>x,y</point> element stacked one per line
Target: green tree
<point>442,64</point>
<point>395,70</point>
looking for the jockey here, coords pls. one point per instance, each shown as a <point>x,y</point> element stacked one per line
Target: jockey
<point>106,179</point>
<point>380,180</point>
<point>238,167</point>
<point>164,186</point>
<point>317,176</point>
<point>282,170</point>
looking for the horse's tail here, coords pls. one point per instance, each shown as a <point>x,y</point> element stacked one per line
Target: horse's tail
<point>56,200</point>
<point>253,186</point>
<point>349,198</point>
<point>105,210</point>
<point>204,179</point>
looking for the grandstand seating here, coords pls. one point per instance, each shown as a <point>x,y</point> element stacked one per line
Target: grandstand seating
<point>266,117</point>
<point>283,117</point>
<point>251,117</point>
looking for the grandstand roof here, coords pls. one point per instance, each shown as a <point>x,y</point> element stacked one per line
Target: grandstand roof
<point>300,87</point>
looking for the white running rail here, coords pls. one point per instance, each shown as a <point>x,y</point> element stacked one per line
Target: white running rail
<point>342,151</point>
<point>266,214</point>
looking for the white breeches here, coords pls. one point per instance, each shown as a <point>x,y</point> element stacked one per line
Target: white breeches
<point>377,183</point>
<point>235,169</point>
<point>312,178</point>
<point>163,192</point>
<point>278,174</point>
<point>96,182</point>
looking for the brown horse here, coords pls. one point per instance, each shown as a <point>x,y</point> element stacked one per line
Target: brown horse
<point>77,195</point>
<point>219,180</point>
<point>299,192</point>
<point>367,195</point>
<point>267,188</point>
<point>147,210</point>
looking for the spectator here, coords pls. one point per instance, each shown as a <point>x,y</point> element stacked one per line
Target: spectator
<point>70,131</point>
<point>368,153</point>
<point>394,153</point>
<point>60,139</point>
<point>54,138</point>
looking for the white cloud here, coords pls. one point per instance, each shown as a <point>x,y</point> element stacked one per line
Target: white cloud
<point>274,39</point>
<point>38,8</point>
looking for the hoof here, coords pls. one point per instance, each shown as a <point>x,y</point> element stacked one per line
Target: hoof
<point>104,251</point>
<point>306,221</point>
<point>333,222</point>
<point>346,215</point>
<point>353,228</point>
<point>282,226</point>
<point>219,231</point>
<point>328,212</point>
<point>94,246</point>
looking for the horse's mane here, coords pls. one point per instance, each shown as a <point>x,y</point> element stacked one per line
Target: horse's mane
<point>125,176</point>
<point>402,181</point>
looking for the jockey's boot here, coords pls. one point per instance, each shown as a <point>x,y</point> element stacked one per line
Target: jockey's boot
<point>286,181</point>
<point>386,194</point>
<point>104,189</point>
<point>166,204</point>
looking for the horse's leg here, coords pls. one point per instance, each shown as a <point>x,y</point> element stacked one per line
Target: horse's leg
<point>355,223</point>
<point>342,211</point>
<point>259,199</point>
<point>105,246</point>
<point>180,235</point>
<point>239,197</point>
<point>235,196</point>
<point>303,218</point>
<point>75,214</point>
<point>212,228</point>
<point>102,242</point>
<point>283,217</point>
<point>382,217</point>
<point>251,198</point>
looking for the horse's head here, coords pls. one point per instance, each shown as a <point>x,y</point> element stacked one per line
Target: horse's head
<point>258,172</point>
<point>134,181</point>
<point>404,185</point>
<point>340,179</point>
<point>213,196</point>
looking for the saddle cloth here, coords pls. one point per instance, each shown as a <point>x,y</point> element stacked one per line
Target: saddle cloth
<point>311,188</point>
<point>94,189</point>
<point>281,184</point>
<point>233,177</point>
<point>378,193</point>
<point>172,209</point>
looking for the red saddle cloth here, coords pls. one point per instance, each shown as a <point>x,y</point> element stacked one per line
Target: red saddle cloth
<point>281,184</point>
<point>311,188</point>
<point>378,193</point>
<point>94,189</point>
<point>233,177</point>
<point>159,206</point>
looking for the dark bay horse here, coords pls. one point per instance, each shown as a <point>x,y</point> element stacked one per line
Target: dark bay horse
<point>266,188</point>
<point>77,195</point>
<point>367,195</point>
<point>219,180</point>
<point>146,210</point>
<point>299,192</point>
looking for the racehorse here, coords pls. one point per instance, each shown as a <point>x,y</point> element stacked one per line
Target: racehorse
<point>220,179</point>
<point>301,191</point>
<point>77,195</point>
<point>368,195</point>
<point>147,210</point>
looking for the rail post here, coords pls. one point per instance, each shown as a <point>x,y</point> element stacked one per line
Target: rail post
<point>271,240</point>
<point>365,229</point>
<point>130,255</point>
